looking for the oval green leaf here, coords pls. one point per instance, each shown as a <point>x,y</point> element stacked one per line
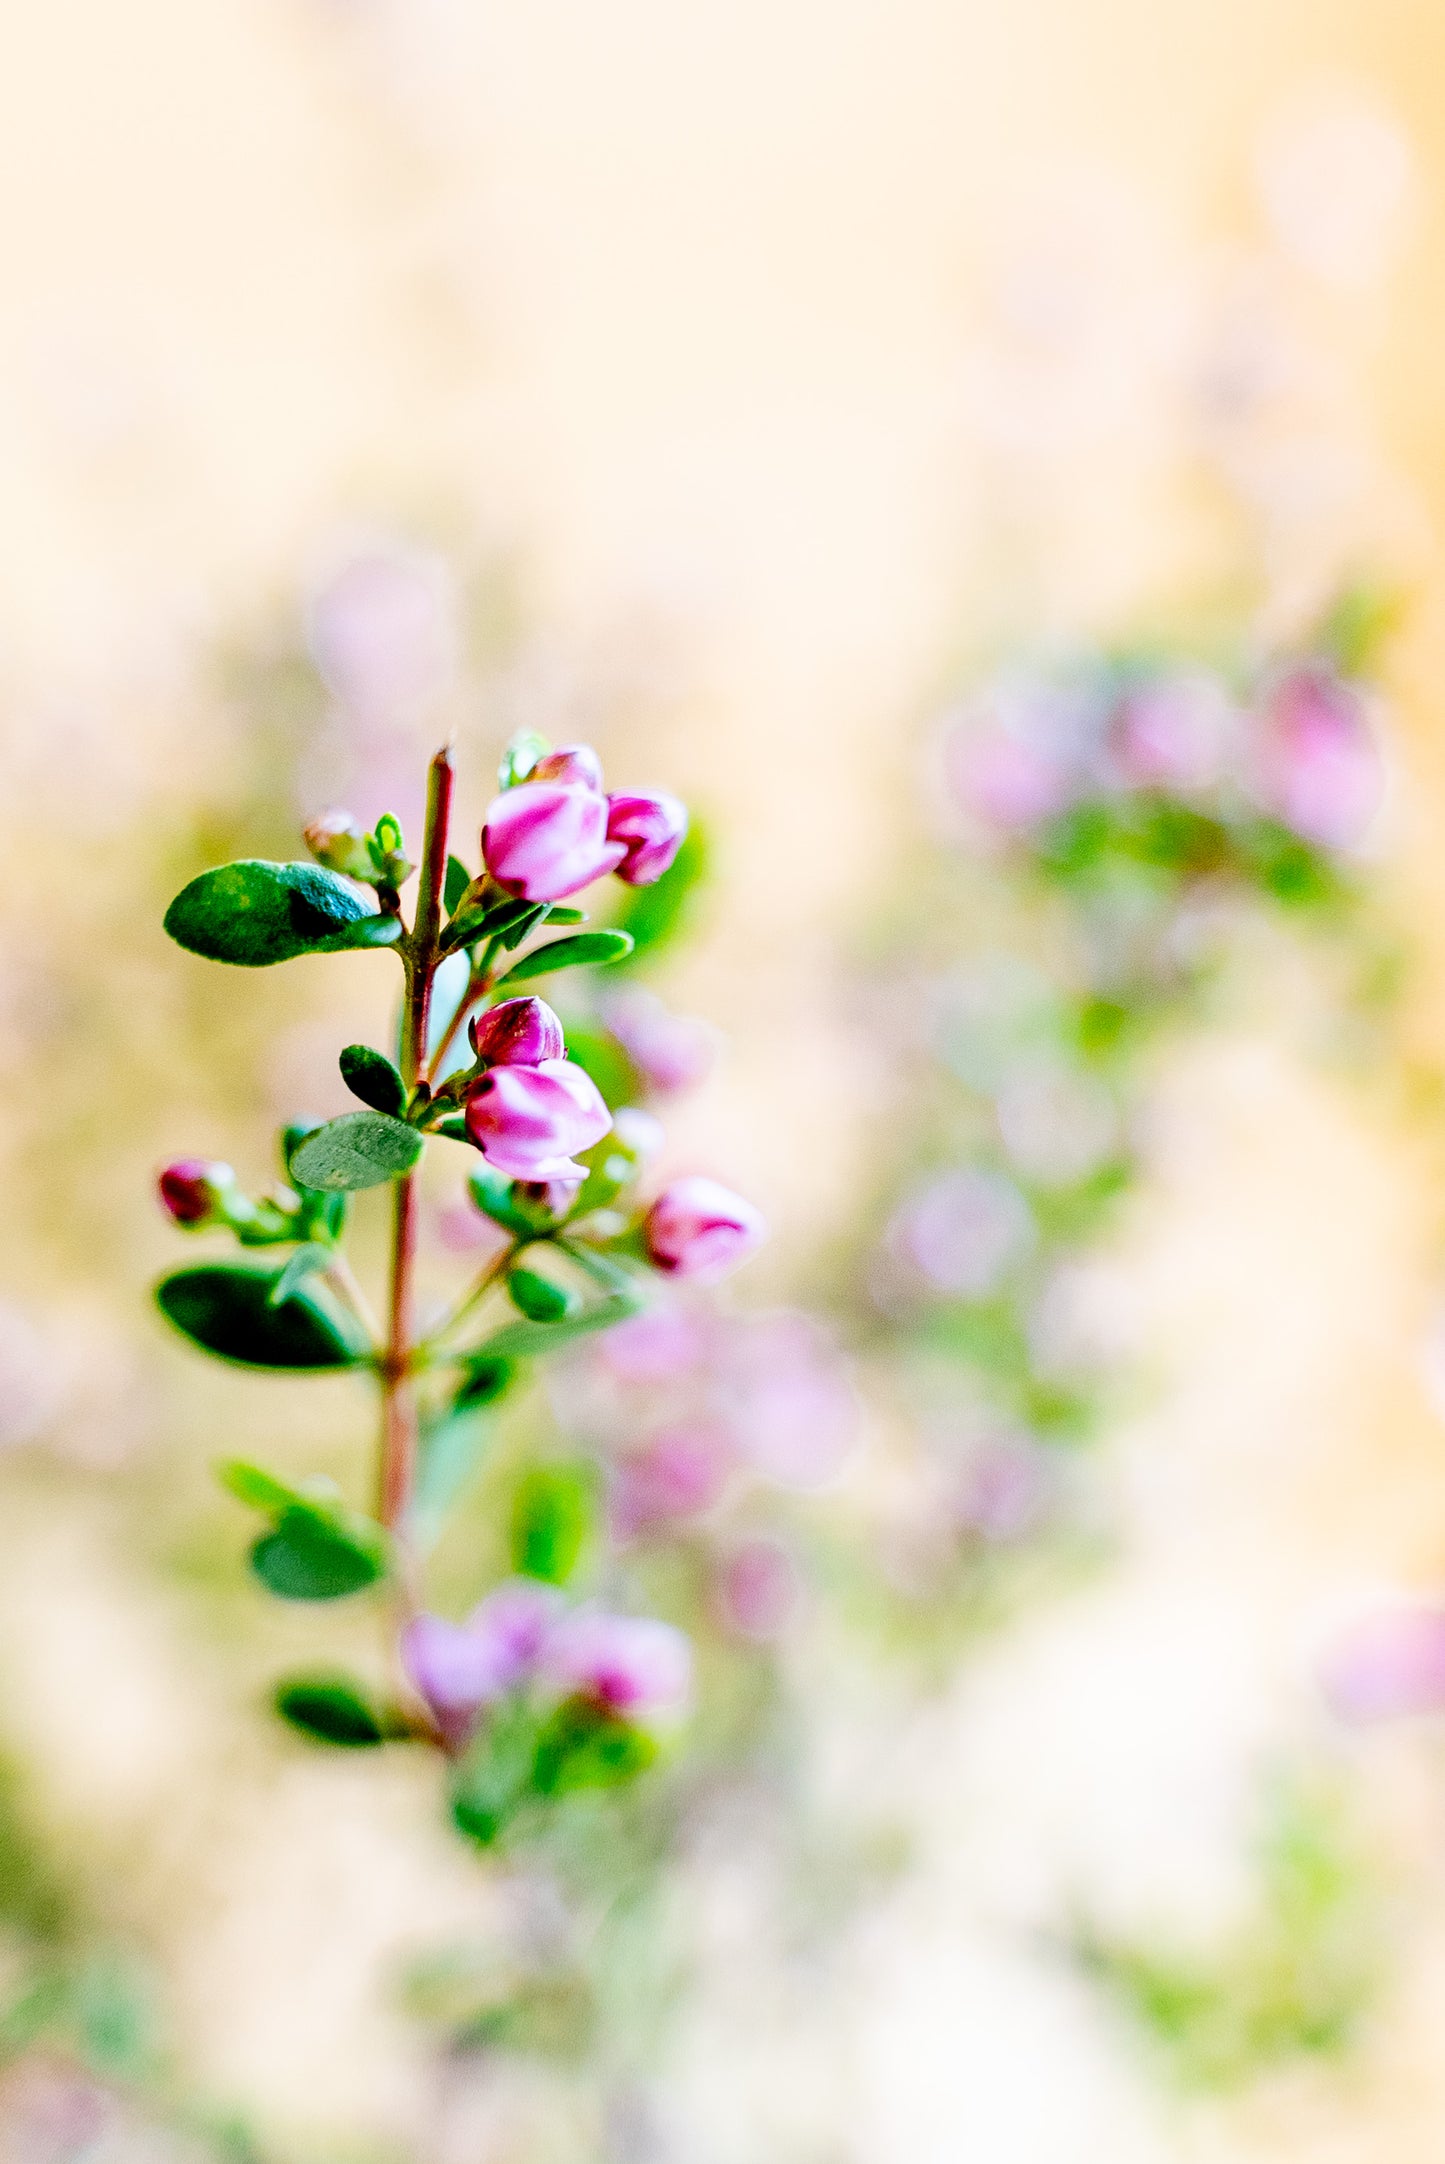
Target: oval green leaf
<point>226,1309</point>
<point>369,1075</point>
<point>330,1709</point>
<point>540,1298</point>
<point>586,950</point>
<point>552,1515</point>
<point>361,1149</point>
<point>312,1555</point>
<point>253,913</point>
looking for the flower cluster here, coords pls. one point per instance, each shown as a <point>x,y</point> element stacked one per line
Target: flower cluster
<point>542,1689</point>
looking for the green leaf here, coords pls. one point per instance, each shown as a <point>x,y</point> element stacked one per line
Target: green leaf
<point>253,913</point>
<point>369,1075</point>
<point>656,915</point>
<point>318,1554</point>
<point>526,1340</point>
<point>492,1193</point>
<point>361,1149</point>
<point>252,1484</point>
<point>585,1746</point>
<point>540,1298</point>
<point>484,1380</point>
<point>225,1308</point>
<point>307,1261</point>
<point>452,1448</point>
<point>583,950</point>
<point>330,1709</point>
<point>496,1775</point>
<point>552,1515</point>
<point>455,885</point>
<point>453,1128</point>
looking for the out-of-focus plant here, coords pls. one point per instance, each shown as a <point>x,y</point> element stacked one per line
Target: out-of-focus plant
<point>1295,1980</point>
<point>539,1692</point>
<point>1128,810</point>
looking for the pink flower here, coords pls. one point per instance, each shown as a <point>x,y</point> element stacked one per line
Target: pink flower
<point>758,1589</point>
<point>789,1400</point>
<point>1391,1663</point>
<point>576,764</point>
<point>1171,734</point>
<point>1319,767</point>
<point>698,1228</point>
<point>656,1346</point>
<point>529,1121</point>
<point>678,1474</point>
<point>651,829</point>
<point>518,1033</point>
<point>460,1668</point>
<point>191,1188</point>
<point>382,630</point>
<point>628,1664</point>
<point>545,839</point>
<point>964,1232</point>
<point>669,1051</point>
<point>1005,783</point>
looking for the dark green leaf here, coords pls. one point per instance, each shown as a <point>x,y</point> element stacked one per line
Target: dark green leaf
<point>225,1308</point>
<point>539,1298</point>
<point>457,881</point>
<point>453,1128</point>
<point>484,1380</point>
<point>585,1746</point>
<point>526,1340</point>
<point>656,915</point>
<point>361,1149</point>
<point>583,950</point>
<point>253,913</point>
<point>369,1075</point>
<point>318,1554</point>
<point>330,1709</point>
<point>552,1516</point>
<point>307,1261</point>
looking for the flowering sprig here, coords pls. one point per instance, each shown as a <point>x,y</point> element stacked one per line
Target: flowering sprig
<point>577,1697</point>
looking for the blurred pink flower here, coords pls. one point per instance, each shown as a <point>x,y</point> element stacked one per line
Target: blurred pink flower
<point>699,1228</point>
<point>1005,1488</point>
<point>629,1664</point>
<point>1173,733</point>
<point>459,1668</point>
<point>1005,783</point>
<point>382,630</point>
<point>963,1232</point>
<point>758,1588</point>
<point>1319,767</point>
<point>660,1344</point>
<point>1391,1662</point>
<point>679,1473</point>
<point>670,1051</point>
<point>788,1400</point>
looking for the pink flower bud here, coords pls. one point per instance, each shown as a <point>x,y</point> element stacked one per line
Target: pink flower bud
<point>461,1667</point>
<point>576,764</point>
<point>191,1188</point>
<point>518,1033</point>
<point>545,839</point>
<point>1392,1663</point>
<point>528,1121</point>
<point>336,841</point>
<point>652,829</point>
<point>1320,769</point>
<point>628,1664</point>
<point>698,1228</point>
<point>670,1051</point>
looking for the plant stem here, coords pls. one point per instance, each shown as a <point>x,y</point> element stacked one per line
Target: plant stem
<point>398,1388</point>
<point>479,982</point>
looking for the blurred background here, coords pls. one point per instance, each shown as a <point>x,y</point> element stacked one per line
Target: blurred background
<point>742,389</point>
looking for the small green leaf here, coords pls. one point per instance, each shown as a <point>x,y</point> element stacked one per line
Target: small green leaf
<point>451,1450</point>
<point>552,1516</point>
<point>528,1340</point>
<point>453,1128</point>
<point>253,913</point>
<point>458,879</point>
<point>585,1746</point>
<point>369,1075</point>
<point>539,1298</point>
<point>484,1380</point>
<point>252,1484</point>
<point>496,1775</point>
<point>492,1193</point>
<point>225,1308</point>
<point>318,1554</point>
<point>307,1261</point>
<point>583,950</point>
<point>361,1149</point>
<point>330,1709</point>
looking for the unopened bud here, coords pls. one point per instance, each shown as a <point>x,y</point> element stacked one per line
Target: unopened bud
<point>336,841</point>
<point>570,763</point>
<point>518,1033</point>
<point>193,1188</point>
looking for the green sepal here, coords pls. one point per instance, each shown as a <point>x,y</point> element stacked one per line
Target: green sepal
<point>584,1745</point>
<point>361,1149</point>
<point>225,1309</point>
<point>540,1298</point>
<point>333,1710</point>
<point>307,1261</point>
<point>585,950</point>
<point>554,1510</point>
<point>254,913</point>
<point>370,1075</point>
